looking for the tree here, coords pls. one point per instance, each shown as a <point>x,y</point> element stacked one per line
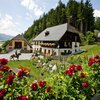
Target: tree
<point>71,12</point>
<point>97,23</point>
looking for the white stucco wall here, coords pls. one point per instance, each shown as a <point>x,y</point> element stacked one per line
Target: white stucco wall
<point>58,51</point>
<point>35,47</point>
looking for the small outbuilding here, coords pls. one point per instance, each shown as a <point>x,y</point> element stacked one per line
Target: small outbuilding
<point>19,42</point>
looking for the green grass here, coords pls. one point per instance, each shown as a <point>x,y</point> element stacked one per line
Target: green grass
<point>35,72</point>
<point>90,50</point>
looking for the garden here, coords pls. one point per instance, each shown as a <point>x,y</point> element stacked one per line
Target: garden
<point>78,79</point>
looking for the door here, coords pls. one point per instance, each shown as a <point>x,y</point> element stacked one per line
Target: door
<point>18,45</point>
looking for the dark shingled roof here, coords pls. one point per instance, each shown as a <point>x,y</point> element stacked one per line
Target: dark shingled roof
<point>55,32</point>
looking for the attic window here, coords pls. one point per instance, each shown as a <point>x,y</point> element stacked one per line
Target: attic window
<point>47,33</point>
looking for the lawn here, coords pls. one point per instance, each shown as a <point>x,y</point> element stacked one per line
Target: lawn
<point>35,72</point>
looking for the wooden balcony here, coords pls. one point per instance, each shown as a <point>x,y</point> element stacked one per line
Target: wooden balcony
<point>50,45</point>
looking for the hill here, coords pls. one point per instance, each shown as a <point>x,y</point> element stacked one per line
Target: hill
<point>4,37</point>
<point>72,13</point>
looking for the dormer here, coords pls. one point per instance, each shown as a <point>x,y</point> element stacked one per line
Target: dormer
<point>47,33</point>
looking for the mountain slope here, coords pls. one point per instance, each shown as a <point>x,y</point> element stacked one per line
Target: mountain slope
<point>4,37</point>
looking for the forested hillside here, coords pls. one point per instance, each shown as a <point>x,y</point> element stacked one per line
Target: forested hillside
<point>78,14</point>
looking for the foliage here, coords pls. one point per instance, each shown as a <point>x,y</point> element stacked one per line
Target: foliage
<point>90,38</point>
<point>0,49</point>
<point>97,23</point>
<point>76,82</point>
<point>5,44</point>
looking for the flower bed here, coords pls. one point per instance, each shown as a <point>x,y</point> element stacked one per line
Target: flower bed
<point>77,82</point>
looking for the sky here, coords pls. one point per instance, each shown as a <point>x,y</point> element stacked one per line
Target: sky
<point>17,15</point>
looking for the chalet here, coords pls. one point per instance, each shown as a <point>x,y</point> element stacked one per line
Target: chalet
<point>59,40</point>
<point>19,42</point>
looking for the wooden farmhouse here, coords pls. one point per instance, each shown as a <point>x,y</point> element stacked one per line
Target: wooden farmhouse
<point>58,40</point>
<point>19,42</point>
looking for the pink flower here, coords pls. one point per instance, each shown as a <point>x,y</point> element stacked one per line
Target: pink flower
<point>85,84</point>
<point>34,86</point>
<point>22,98</point>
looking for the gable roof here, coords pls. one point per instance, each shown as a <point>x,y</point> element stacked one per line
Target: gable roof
<point>21,37</point>
<point>55,32</point>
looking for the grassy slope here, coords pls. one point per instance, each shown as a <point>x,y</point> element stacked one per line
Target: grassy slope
<point>35,72</point>
<point>1,43</point>
<point>91,50</point>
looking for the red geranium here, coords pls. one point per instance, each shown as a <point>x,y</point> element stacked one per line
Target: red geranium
<point>91,62</point>
<point>78,67</point>
<point>3,61</point>
<point>42,83</point>
<point>22,98</point>
<point>48,89</point>
<point>21,73</point>
<point>97,58</point>
<point>4,68</point>
<point>82,75</point>
<point>9,79</point>
<point>68,72</point>
<point>34,86</point>
<point>0,76</point>
<point>85,84</point>
<point>2,92</point>
<point>72,68</point>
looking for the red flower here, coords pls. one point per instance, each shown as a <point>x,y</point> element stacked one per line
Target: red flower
<point>48,89</point>
<point>72,68</point>
<point>90,63</point>
<point>42,83</point>
<point>9,79</point>
<point>34,86</point>
<point>2,92</point>
<point>79,67</point>
<point>21,73</point>
<point>85,84</point>
<point>82,75</point>
<point>3,61</point>
<point>0,76</point>
<point>4,69</point>
<point>97,58</point>
<point>68,72</point>
<point>22,98</point>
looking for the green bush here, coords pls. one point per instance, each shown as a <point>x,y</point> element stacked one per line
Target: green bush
<point>90,38</point>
